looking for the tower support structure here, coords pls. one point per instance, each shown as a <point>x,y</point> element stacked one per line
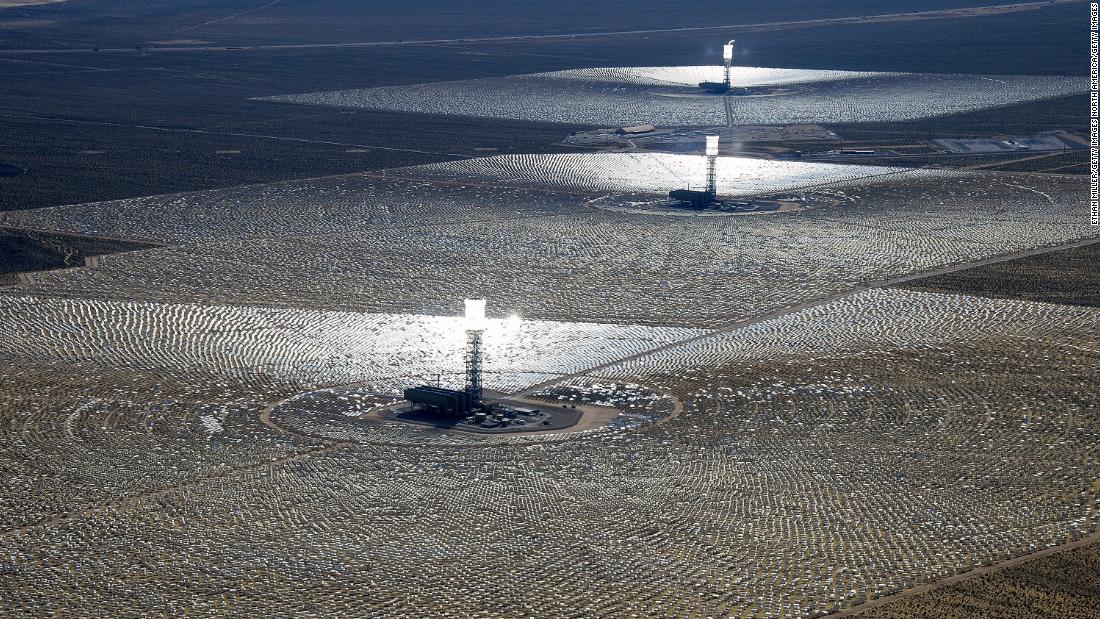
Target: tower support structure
<point>712,165</point>
<point>474,362</point>
<point>475,327</point>
<point>712,175</point>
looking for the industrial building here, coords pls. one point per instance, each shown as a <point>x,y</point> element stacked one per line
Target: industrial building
<point>691,198</point>
<point>440,401</point>
<point>636,130</point>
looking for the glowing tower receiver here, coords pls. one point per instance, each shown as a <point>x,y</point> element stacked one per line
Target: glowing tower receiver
<point>727,56</point>
<point>712,163</point>
<point>475,326</point>
<point>475,314</point>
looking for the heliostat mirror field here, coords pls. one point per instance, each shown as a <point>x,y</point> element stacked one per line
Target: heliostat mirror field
<point>667,96</point>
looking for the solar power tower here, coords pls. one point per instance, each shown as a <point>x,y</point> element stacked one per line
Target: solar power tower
<point>727,57</point>
<point>722,87</point>
<point>475,328</point>
<point>712,165</point>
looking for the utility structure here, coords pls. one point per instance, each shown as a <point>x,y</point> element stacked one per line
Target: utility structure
<point>701,199</point>
<point>475,328</point>
<point>724,86</point>
<point>727,58</point>
<point>712,165</point>
<point>456,403</point>
<point>465,409</point>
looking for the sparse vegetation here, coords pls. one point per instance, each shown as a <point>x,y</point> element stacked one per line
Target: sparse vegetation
<point>1067,276</point>
<point>1063,585</point>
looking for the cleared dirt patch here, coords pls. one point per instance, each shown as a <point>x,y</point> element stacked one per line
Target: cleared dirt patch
<point>23,251</point>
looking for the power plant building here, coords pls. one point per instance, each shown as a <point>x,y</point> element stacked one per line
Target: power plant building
<point>636,130</point>
<point>440,401</point>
